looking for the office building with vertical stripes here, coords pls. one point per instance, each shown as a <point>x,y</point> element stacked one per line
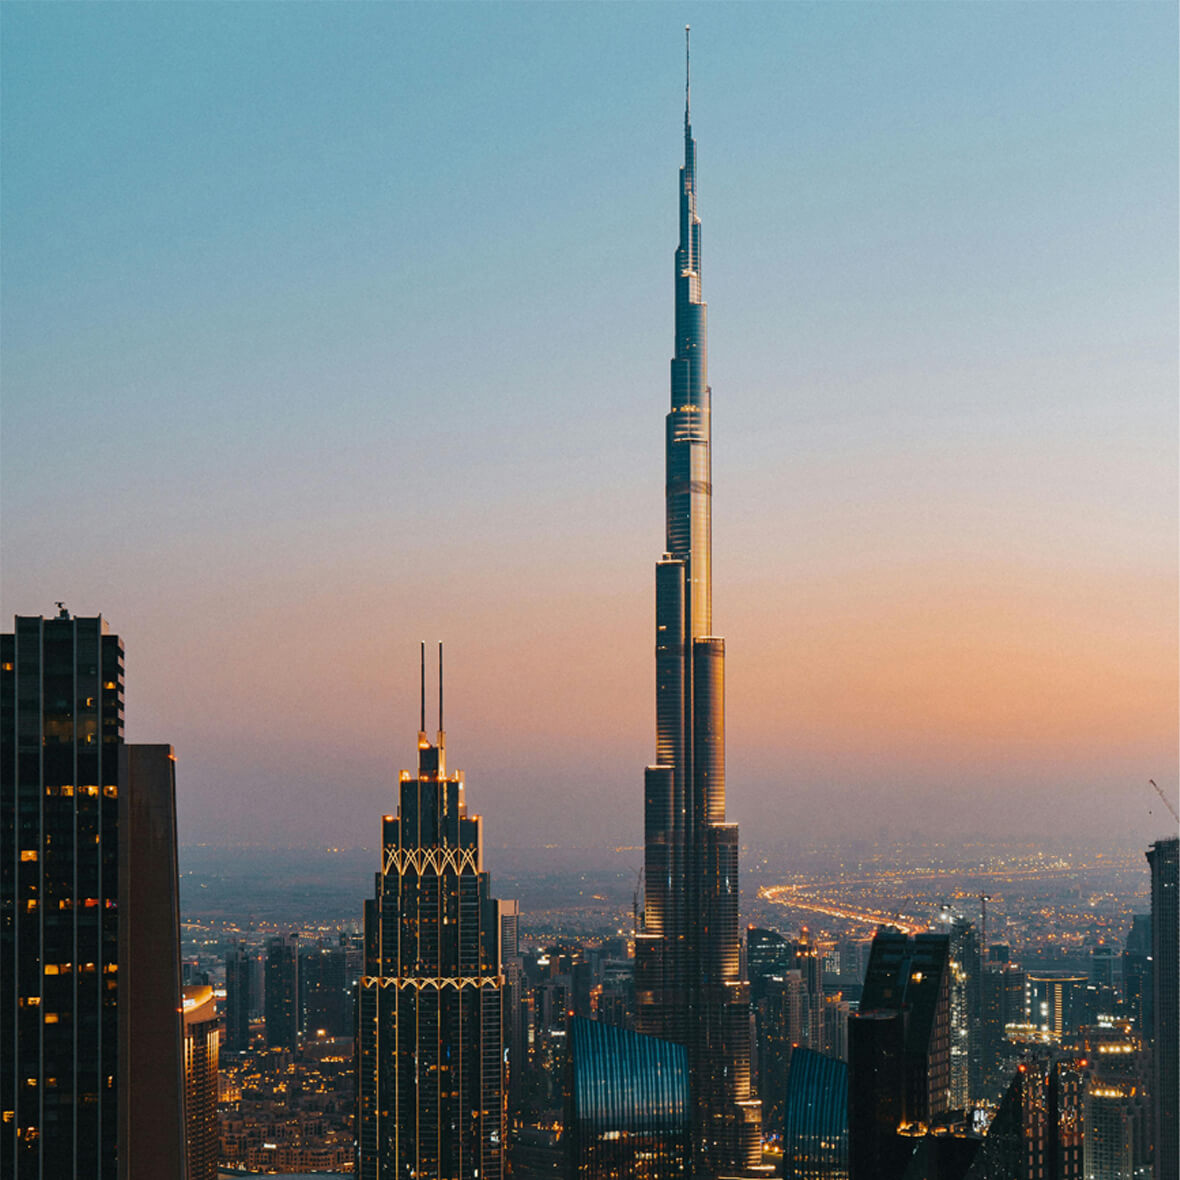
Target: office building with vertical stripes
<point>430,1059</point>
<point>689,986</point>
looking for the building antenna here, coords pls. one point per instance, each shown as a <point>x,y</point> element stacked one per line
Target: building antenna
<point>422,711</point>
<point>440,682</point>
<point>687,75</point>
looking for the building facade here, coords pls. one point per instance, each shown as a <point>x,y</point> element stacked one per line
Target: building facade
<point>1165,970</point>
<point>239,991</point>
<point>815,1129</point>
<point>90,1071</point>
<point>430,1060</point>
<point>202,1040</point>
<point>281,999</point>
<point>899,1059</point>
<point>688,977</point>
<point>627,1107</point>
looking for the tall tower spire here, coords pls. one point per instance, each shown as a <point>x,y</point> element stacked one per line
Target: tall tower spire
<point>689,986</point>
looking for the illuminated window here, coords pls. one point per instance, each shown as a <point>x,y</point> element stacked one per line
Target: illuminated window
<point>67,789</point>
<point>110,790</point>
<point>50,1017</point>
<point>28,854</point>
<point>52,969</point>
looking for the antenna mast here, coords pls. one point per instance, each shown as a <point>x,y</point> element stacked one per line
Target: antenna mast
<point>422,697</point>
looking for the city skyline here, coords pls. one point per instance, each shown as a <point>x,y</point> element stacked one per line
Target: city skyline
<point>296,303</point>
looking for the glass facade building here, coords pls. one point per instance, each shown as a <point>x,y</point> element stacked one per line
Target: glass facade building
<point>1163,858</point>
<point>90,1066</point>
<point>61,704</point>
<point>430,1057</point>
<point>627,1107</point>
<point>202,1040</point>
<point>688,979</point>
<point>815,1123</point>
<point>899,1062</point>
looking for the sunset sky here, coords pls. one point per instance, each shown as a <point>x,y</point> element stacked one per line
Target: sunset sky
<point>328,328</point>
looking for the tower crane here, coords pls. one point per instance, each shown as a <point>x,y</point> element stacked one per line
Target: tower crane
<point>1167,801</point>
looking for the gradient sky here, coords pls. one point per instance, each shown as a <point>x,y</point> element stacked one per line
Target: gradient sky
<point>332,327</point>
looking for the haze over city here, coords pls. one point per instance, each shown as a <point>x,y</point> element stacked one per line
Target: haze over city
<point>328,329</point>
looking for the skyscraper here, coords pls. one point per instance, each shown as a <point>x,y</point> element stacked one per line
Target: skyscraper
<point>239,970</point>
<point>1162,856</point>
<point>430,1056</point>
<point>899,1060</point>
<point>282,993</point>
<point>202,1037</point>
<point>689,987</point>
<point>90,1069</point>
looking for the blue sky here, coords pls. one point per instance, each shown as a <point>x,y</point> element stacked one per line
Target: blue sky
<point>329,327</point>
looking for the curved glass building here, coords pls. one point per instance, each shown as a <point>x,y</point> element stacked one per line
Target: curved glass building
<point>815,1120</point>
<point>627,1104</point>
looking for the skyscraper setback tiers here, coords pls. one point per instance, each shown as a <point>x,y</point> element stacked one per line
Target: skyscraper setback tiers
<point>430,1060</point>
<point>688,982</point>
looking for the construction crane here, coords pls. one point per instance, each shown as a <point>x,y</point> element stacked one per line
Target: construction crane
<point>1167,801</point>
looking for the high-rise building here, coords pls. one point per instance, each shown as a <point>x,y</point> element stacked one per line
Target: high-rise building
<point>430,1095</point>
<point>1116,1111</point>
<point>688,977</point>
<point>965,998</point>
<point>239,970</point>
<point>1037,1133</point>
<point>899,1064</point>
<point>327,1003</point>
<point>1165,969</point>
<point>90,1069</point>
<point>202,1038</point>
<point>282,993</point>
<point>1137,974</point>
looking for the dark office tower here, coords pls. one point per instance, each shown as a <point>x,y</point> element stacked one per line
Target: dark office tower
<point>282,993</point>
<point>689,986</point>
<point>898,1052</point>
<point>768,953</point>
<point>1037,1133</point>
<point>201,1043</point>
<point>430,1055</point>
<point>1137,974</point>
<point>1165,966</point>
<point>89,948</point>
<point>238,973</point>
<point>327,1004</point>
<point>627,1105</point>
<point>1001,1003</point>
<point>151,1074</point>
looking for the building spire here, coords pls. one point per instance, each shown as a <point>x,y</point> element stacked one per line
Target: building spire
<point>440,688</point>
<point>687,78</point>
<point>422,697</point>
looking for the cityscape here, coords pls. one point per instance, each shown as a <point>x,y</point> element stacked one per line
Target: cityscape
<point>918,922</point>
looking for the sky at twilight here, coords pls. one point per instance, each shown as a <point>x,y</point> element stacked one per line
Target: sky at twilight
<point>328,328</point>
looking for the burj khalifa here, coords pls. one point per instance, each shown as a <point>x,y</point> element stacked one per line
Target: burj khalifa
<point>689,985</point>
